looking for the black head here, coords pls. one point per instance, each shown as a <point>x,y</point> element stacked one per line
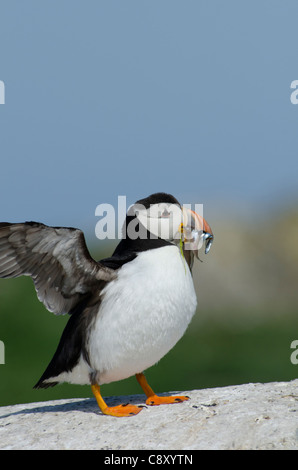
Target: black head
<point>159,220</point>
<point>157,198</point>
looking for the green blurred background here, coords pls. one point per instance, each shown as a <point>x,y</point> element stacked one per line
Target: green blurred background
<point>242,332</point>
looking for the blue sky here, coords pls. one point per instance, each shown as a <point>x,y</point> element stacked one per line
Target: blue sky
<point>130,97</point>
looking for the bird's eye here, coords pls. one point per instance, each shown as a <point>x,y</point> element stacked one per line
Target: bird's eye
<point>165,214</point>
<point>158,211</point>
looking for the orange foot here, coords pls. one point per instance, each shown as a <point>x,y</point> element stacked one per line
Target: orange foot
<point>122,410</point>
<point>156,400</point>
<point>152,398</point>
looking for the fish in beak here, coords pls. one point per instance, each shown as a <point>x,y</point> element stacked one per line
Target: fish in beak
<point>195,232</point>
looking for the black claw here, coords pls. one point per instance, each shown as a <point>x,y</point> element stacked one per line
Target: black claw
<point>178,400</point>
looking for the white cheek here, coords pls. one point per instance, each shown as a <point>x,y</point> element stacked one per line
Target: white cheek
<point>166,228</point>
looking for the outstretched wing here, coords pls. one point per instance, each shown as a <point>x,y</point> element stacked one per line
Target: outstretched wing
<point>56,258</point>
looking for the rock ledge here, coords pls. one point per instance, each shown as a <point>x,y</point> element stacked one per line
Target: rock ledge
<point>249,416</point>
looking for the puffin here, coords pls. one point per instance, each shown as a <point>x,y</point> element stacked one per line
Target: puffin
<point>126,311</point>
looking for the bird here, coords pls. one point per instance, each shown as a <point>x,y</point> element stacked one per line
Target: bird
<point>125,311</point>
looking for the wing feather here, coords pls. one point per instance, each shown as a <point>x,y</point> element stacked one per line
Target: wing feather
<point>56,258</point>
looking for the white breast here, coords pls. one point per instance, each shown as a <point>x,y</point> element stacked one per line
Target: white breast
<point>144,312</point>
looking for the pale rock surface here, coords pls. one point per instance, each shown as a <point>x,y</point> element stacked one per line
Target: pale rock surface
<point>250,416</point>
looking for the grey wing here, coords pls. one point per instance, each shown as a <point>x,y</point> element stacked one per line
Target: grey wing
<point>56,258</point>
